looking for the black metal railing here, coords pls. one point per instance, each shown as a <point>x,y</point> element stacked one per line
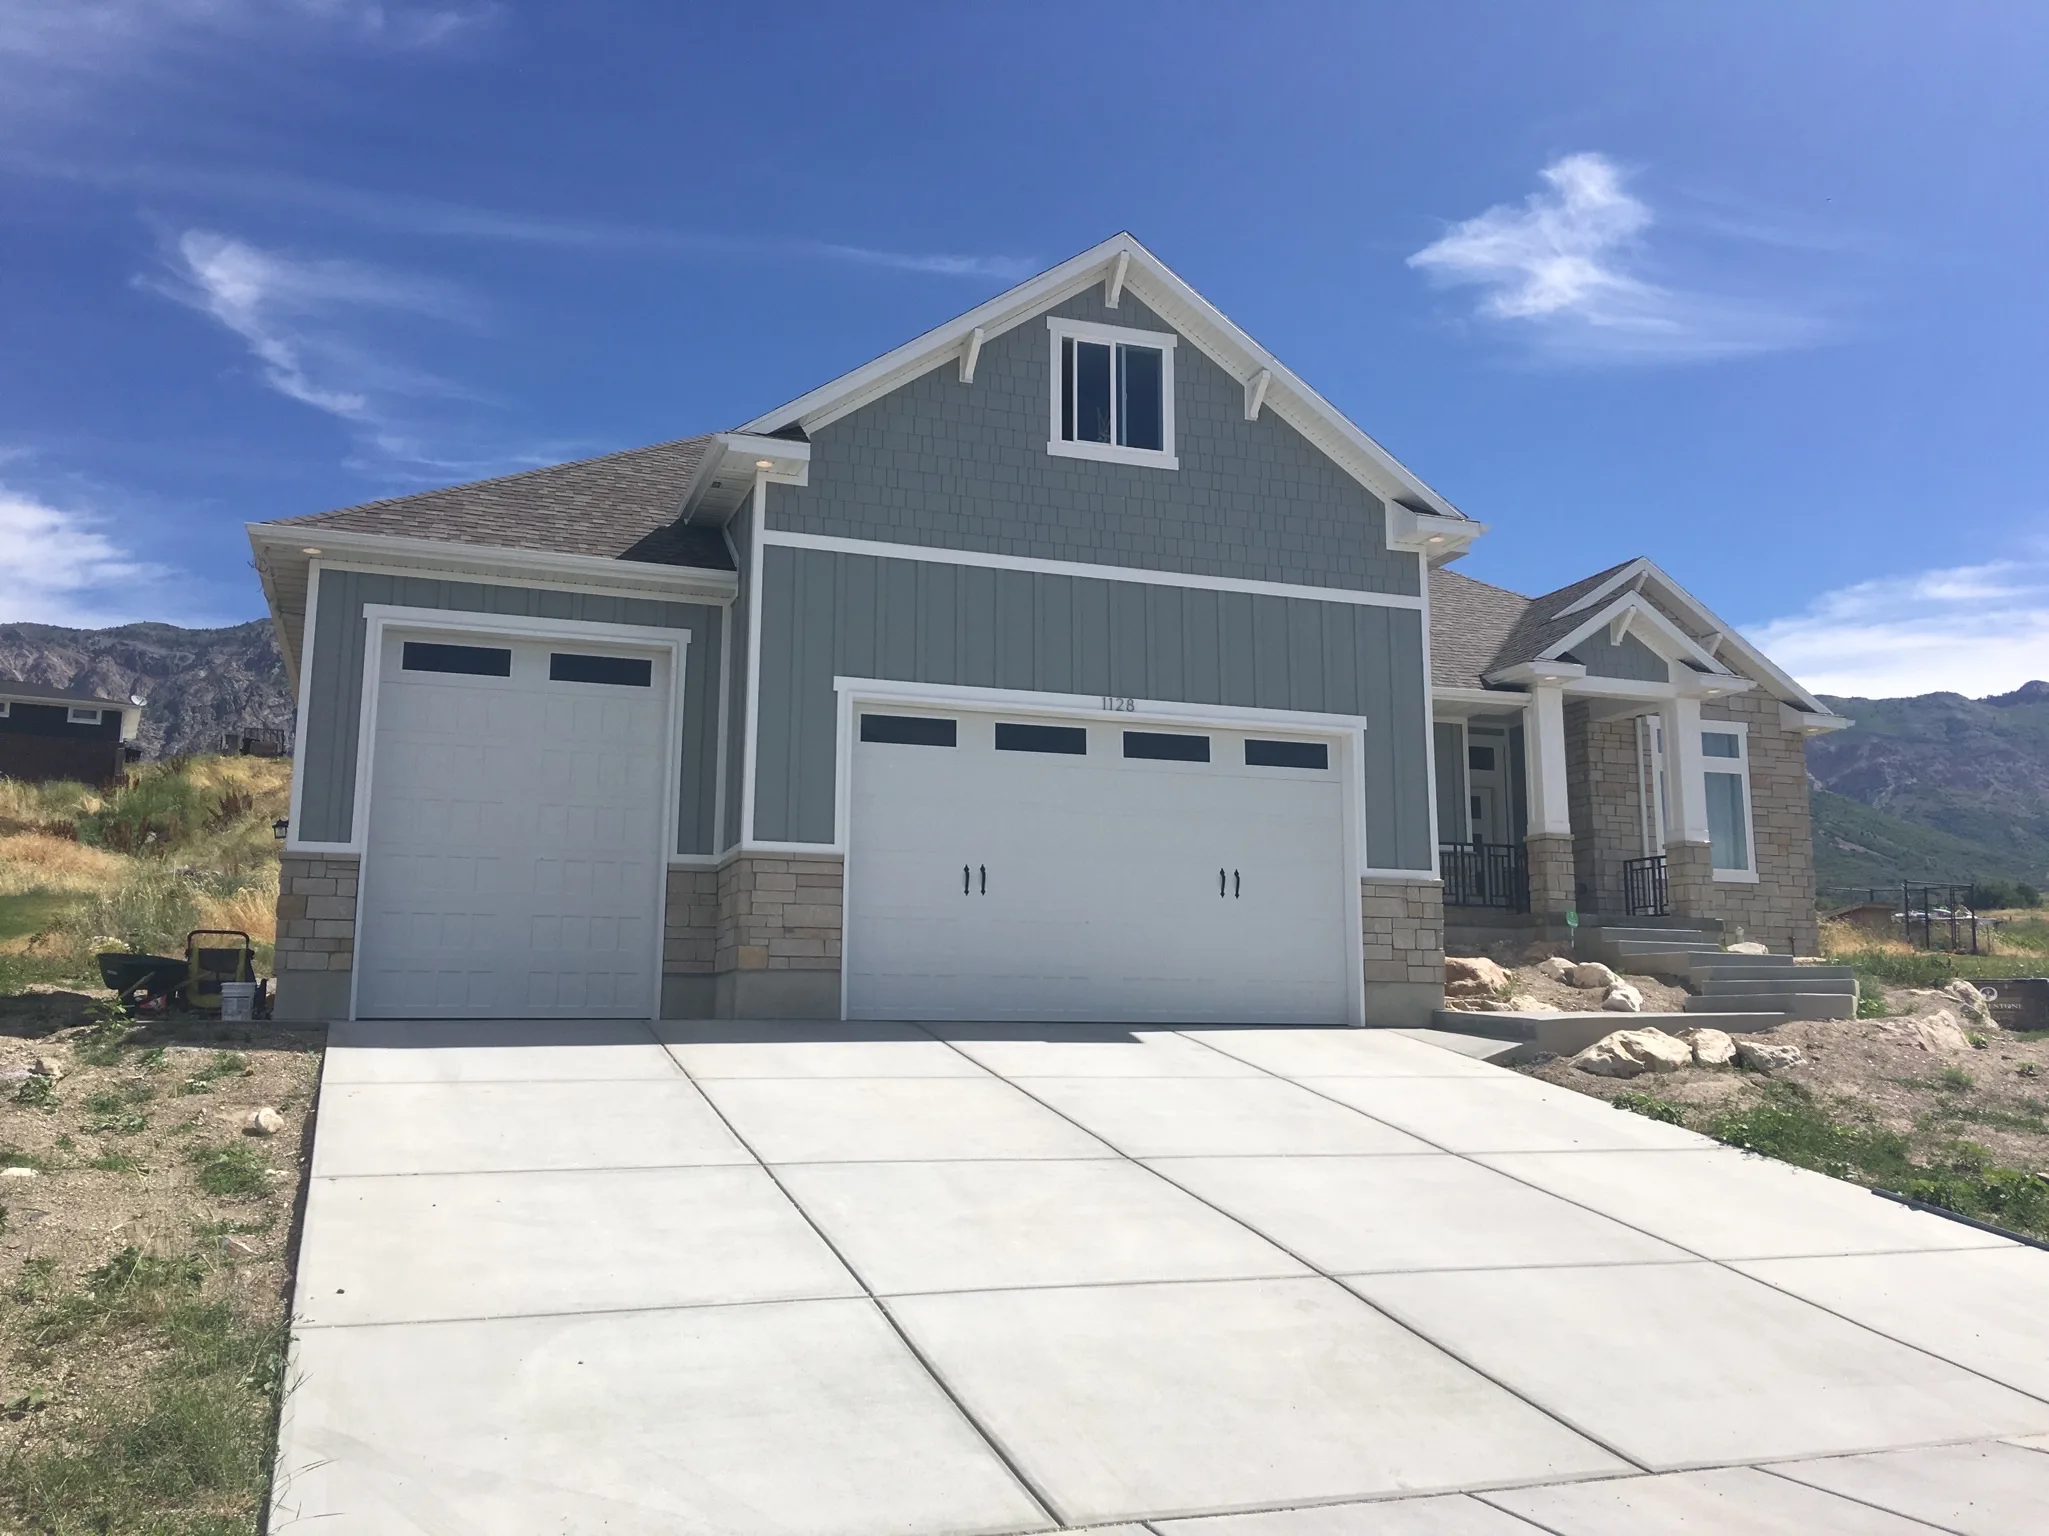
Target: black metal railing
<point>1478,874</point>
<point>1643,887</point>
<point>1936,917</point>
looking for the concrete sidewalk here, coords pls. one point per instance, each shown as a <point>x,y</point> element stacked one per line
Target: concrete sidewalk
<point>734,1278</point>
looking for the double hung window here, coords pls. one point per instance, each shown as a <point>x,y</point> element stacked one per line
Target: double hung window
<point>1113,394</point>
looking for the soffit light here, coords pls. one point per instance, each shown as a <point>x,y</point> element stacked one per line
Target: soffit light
<point>309,550</point>
<point>764,463</point>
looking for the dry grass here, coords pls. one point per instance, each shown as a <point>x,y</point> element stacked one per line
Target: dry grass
<point>253,910</point>
<point>35,861</point>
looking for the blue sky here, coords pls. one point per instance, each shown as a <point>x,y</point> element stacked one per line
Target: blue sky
<point>1755,289</point>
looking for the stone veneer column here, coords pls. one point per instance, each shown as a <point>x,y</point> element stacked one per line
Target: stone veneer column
<point>1402,925</point>
<point>777,947</point>
<point>1552,877</point>
<point>316,935</point>
<point>690,943</point>
<point>1690,880</point>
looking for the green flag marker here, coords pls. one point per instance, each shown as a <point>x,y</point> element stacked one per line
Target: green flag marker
<point>1572,919</point>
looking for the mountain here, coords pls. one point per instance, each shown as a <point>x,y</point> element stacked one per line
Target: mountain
<point>1936,787</point>
<point>199,683</point>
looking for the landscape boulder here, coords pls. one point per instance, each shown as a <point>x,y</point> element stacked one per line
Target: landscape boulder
<point>1473,976</point>
<point>1971,1000</point>
<point>1711,1047</point>
<point>1633,1052</point>
<point>50,1067</point>
<point>1766,1055</point>
<point>1622,998</point>
<point>1937,1031</point>
<point>1558,968</point>
<point>264,1122</point>
<point>1591,974</point>
<point>1747,947</point>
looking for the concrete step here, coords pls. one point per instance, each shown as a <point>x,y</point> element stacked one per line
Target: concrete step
<point>1678,943</point>
<point>1718,985</point>
<point>1633,931</point>
<point>1563,1034</point>
<point>1671,965</point>
<point>1794,1005</point>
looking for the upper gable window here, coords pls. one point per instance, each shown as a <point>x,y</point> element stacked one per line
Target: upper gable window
<point>1113,394</point>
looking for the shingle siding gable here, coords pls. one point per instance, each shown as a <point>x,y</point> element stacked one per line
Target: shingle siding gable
<point>965,467</point>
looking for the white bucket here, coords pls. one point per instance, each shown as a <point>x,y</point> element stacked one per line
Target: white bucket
<point>238,1000</point>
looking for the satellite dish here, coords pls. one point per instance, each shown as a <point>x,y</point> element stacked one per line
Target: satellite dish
<point>137,700</point>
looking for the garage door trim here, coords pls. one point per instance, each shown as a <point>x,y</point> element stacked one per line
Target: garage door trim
<point>1343,732</point>
<point>381,617</point>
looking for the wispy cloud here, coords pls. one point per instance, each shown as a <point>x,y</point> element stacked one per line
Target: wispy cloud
<point>1564,272</point>
<point>61,567</point>
<point>1969,629</point>
<point>307,321</point>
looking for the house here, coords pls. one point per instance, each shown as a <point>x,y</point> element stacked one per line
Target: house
<point>65,733</point>
<point>1075,660</point>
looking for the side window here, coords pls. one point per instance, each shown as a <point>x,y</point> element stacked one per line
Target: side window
<point>1728,800</point>
<point>82,716</point>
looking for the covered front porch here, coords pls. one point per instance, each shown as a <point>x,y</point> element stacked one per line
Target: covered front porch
<point>1559,791</point>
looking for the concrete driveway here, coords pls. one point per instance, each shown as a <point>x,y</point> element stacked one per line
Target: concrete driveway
<point>1259,1282</point>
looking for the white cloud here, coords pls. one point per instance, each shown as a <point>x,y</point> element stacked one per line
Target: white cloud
<point>1565,269</point>
<point>87,38</point>
<point>1969,629</point>
<point>299,317</point>
<point>61,569</point>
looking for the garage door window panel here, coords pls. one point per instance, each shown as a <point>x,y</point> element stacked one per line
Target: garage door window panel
<point>1288,754</point>
<point>464,660</point>
<point>1060,740</point>
<point>1166,747</point>
<point>909,730</point>
<point>613,671</point>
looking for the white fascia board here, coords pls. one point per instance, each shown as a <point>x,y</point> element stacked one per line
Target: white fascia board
<point>493,562</point>
<point>1652,627</point>
<point>1613,584</point>
<point>1458,703</point>
<point>1193,316</point>
<point>1527,674</point>
<point>1793,719</point>
<point>1438,539</point>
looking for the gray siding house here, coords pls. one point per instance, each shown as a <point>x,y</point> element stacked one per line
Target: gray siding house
<point>1075,660</point>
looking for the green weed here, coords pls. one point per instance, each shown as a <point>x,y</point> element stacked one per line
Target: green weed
<point>115,1162</point>
<point>1651,1107</point>
<point>231,1172</point>
<point>36,1093</point>
<point>1955,1080</point>
<point>14,1157</point>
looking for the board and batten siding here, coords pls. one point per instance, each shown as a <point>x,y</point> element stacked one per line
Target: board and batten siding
<point>828,615</point>
<point>965,466</point>
<point>1632,659</point>
<point>327,752</point>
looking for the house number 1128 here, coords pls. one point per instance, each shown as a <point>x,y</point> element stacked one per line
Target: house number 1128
<point>1120,706</point>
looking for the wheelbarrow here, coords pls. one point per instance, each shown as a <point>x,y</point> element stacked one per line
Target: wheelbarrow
<point>154,982</point>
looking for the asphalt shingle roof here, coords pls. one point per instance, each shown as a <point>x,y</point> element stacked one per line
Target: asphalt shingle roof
<point>44,693</point>
<point>1477,628</point>
<point>621,506</point>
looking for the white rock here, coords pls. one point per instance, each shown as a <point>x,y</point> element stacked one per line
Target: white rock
<point>235,1247</point>
<point>17,1173</point>
<point>264,1122</point>
<point>1557,968</point>
<point>1623,998</point>
<point>1591,974</point>
<point>50,1067</point>
<point>1937,1031</point>
<point>1473,976</point>
<point>1747,947</point>
<point>1522,1002</point>
<point>1766,1055</point>
<point>1711,1047</point>
<point>1633,1052</point>
<point>1972,1001</point>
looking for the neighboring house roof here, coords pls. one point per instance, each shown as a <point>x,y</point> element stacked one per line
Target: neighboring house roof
<point>620,506</point>
<point>43,693</point>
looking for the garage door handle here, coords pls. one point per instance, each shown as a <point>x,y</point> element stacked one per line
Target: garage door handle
<point>1220,885</point>
<point>1234,885</point>
<point>985,879</point>
<point>964,880</point>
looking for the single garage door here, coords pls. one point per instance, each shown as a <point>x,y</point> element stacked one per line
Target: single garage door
<point>514,861</point>
<point>1048,870</point>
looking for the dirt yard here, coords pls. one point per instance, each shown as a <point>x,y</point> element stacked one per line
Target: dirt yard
<point>145,1235</point>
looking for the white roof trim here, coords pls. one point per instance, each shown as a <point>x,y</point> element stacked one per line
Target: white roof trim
<point>1637,611</point>
<point>1193,316</point>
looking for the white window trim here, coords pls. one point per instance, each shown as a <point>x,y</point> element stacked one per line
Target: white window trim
<point>1740,729</point>
<point>6,708</point>
<point>80,716</point>
<point>1111,453</point>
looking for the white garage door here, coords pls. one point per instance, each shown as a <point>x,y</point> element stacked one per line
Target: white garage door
<point>514,861</point>
<point>1047,870</point>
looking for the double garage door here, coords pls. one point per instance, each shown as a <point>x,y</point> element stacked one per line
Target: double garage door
<point>513,862</point>
<point>1007,868</point>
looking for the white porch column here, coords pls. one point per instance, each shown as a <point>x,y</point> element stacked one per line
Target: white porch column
<point>1550,812</point>
<point>1686,790</point>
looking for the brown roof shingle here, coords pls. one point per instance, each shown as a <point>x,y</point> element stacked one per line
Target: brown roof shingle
<point>621,506</point>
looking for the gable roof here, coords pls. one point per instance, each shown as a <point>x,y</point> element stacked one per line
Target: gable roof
<point>619,506</point>
<point>1122,263</point>
<point>1470,624</point>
